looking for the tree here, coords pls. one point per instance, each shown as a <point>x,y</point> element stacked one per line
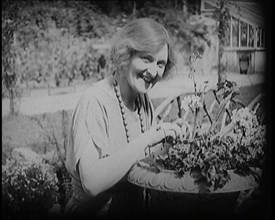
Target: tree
<point>222,16</point>
<point>9,77</point>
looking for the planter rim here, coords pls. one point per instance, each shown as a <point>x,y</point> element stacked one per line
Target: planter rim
<point>168,181</point>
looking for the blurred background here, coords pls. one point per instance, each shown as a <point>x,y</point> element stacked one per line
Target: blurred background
<point>52,47</point>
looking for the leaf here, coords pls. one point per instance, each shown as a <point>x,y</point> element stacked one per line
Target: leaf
<point>196,173</point>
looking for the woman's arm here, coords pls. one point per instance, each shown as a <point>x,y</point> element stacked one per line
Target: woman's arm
<point>102,174</point>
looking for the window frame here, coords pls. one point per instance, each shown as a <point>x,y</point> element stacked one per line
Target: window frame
<point>255,29</point>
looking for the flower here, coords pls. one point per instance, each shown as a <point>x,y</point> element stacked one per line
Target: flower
<point>245,118</point>
<point>248,132</point>
<point>191,102</point>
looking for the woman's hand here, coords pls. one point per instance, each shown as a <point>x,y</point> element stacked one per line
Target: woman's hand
<point>162,131</point>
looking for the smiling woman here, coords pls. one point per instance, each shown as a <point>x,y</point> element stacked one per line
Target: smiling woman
<point>113,124</point>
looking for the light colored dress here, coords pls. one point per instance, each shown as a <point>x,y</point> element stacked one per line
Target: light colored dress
<point>97,129</point>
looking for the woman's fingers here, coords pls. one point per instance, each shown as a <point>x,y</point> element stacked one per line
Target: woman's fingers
<point>161,132</point>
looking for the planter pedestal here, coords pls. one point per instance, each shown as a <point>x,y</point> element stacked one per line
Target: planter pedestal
<point>169,194</point>
<point>190,204</point>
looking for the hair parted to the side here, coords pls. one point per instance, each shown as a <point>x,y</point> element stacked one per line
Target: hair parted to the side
<point>140,35</point>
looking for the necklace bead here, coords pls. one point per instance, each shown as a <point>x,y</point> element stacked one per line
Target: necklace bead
<point>119,99</point>
<point>122,110</point>
<point>125,123</point>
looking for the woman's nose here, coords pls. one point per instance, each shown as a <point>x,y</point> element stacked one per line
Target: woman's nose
<point>153,70</point>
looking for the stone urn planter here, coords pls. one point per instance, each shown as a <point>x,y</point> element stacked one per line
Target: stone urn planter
<point>174,194</point>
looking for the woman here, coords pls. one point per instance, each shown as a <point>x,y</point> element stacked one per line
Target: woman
<point>113,123</point>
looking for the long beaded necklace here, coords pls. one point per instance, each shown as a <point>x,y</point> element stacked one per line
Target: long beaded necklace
<point>122,110</point>
<point>146,196</point>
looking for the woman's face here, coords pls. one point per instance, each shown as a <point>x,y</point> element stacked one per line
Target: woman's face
<point>146,69</point>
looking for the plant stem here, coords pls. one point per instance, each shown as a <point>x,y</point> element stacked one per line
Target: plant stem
<point>221,108</point>
<point>209,117</point>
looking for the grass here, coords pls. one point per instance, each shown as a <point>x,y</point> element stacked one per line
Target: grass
<point>25,131</point>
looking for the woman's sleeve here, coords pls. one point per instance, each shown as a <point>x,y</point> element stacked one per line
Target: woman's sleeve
<point>89,129</point>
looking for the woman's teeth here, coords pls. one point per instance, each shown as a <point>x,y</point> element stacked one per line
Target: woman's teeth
<point>146,79</point>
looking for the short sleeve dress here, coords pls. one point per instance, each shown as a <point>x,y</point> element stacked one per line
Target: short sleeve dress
<point>97,129</point>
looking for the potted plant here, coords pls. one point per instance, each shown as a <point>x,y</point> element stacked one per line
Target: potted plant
<point>222,154</point>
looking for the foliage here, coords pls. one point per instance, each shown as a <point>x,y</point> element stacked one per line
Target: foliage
<point>52,42</point>
<point>11,84</point>
<point>57,158</point>
<point>212,146</point>
<point>208,159</point>
<point>54,139</point>
<point>50,135</point>
<point>188,31</point>
<point>6,150</point>
<point>27,188</point>
<point>63,177</point>
<point>222,16</point>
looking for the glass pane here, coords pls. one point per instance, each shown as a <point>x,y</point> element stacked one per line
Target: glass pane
<point>235,32</point>
<point>259,36</point>
<point>251,36</point>
<point>263,38</point>
<point>243,34</point>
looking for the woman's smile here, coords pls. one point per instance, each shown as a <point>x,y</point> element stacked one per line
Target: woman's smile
<point>148,79</point>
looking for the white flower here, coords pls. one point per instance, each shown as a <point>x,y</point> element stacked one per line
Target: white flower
<point>244,118</point>
<point>248,131</point>
<point>191,102</point>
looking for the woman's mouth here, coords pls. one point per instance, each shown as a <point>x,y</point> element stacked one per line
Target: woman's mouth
<point>146,78</point>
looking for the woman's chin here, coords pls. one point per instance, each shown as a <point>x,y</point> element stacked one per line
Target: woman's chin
<point>145,88</point>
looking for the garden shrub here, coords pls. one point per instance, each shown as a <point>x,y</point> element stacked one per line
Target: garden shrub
<point>64,184</point>
<point>6,150</point>
<point>52,43</point>
<point>28,189</point>
<point>55,128</point>
<point>63,176</point>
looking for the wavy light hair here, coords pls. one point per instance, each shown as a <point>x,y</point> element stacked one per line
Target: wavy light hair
<point>140,35</point>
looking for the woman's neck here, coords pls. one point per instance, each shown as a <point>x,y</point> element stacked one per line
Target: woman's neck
<point>128,95</point>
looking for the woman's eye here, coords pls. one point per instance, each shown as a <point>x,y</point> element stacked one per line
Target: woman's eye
<point>161,66</point>
<point>145,59</point>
